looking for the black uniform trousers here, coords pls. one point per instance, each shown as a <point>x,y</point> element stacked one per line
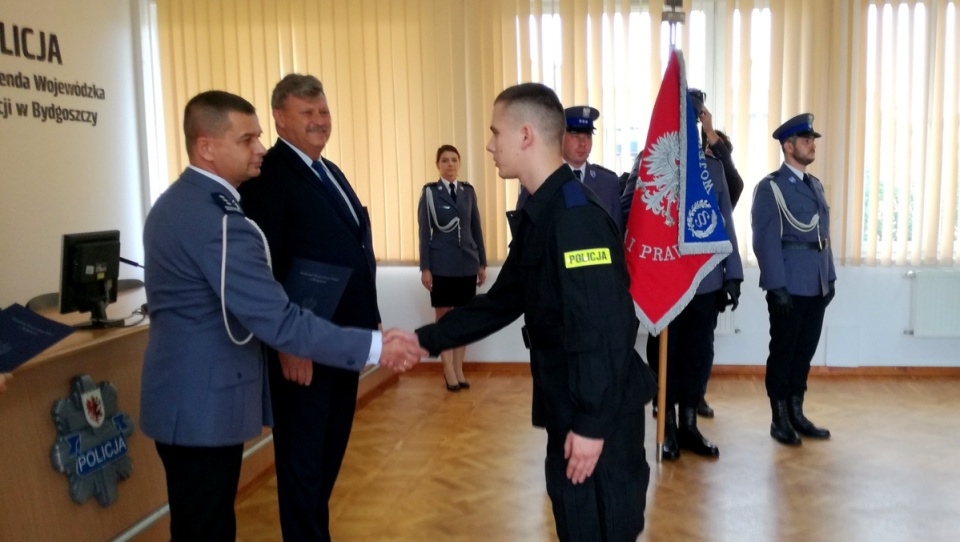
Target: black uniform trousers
<point>201,489</point>
<point>690,353</point>
<point>608,506</point>
<point>793,342</point>
<point>308,419</point>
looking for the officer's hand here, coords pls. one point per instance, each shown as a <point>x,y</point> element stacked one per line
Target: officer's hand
<point>426,278</point>
<point>731,290</point>
<point>721,300</point>
<point>780,302</point>
<point>582,454</point>
<point>401,350</point>
<point>296,369</point>
<point>481,276</point>
<point>830,294</point>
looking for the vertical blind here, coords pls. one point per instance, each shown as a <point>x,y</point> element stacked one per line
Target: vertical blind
<point>404,77</point>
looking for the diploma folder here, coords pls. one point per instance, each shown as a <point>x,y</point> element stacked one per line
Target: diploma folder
<point>24,334</point>
<point>316,286</point>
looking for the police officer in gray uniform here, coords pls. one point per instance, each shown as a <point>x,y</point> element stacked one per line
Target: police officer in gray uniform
<point>577,145</point>
<point>453,259</point>
<point>791,238</point>
<point>213,300</point>
<point>690,353</point>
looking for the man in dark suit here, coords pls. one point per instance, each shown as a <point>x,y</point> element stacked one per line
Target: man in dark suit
<point>307,209</point>
<point>791,237</point>
<point>204,387</point>
<point>577,145</point>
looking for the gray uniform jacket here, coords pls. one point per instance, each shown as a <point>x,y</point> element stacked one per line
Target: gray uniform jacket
<point>457,253</point>
<point>790,258</point>
<point>198,387</point>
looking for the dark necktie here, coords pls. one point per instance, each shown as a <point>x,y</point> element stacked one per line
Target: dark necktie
<point>807,181</point>
<point>335,196</point>
<point>453,192</point>
<point>578,174</point>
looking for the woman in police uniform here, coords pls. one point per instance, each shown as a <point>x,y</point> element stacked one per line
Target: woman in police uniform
<point>453,261</point>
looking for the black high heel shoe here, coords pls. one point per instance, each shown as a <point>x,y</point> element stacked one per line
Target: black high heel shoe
<point>453,387</point>
<point>464,385</point>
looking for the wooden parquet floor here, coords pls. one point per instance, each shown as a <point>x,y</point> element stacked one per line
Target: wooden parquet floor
<point>428,465</point>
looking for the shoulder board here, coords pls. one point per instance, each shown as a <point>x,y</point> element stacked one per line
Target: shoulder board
<point>465,184</point>
<point>573,195</point>
<point>229,205</point>
<point>601,168</point>
<point>772,175</point>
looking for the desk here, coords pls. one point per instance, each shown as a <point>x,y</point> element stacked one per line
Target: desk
<point>34,499</point>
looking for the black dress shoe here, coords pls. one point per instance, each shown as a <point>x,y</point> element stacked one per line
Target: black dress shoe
<point>800,422</point>
<point>690,438</point>
<point>670,450</point>
<point>703,409</point>
<point>780,428</point>
<point>465,385</point>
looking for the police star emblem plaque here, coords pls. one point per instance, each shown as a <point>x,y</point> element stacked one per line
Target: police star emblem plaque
<point>91,446</point>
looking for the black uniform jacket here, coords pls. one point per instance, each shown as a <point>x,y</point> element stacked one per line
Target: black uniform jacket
<point>566,274</point>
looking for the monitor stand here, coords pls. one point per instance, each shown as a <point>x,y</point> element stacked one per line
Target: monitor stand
<point>98,318</point>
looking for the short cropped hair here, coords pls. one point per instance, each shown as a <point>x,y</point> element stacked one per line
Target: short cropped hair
<point>207,114</point>
<point>294,84</point>
<point>536,104</point>
<point>792,140</point>
<point>446,148</point>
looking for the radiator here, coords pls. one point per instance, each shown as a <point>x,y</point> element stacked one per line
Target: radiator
<point>727,323</point>
<point>934,303</point>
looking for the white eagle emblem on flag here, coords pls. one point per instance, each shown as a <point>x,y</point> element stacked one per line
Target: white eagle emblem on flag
<point>663,165</point>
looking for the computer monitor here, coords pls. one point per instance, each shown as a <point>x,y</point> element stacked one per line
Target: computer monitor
<point>89,269</point>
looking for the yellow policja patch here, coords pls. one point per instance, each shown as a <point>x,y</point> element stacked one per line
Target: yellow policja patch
<point>589,256</point>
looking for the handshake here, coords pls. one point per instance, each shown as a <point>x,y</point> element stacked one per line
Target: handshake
<point>400,350</point>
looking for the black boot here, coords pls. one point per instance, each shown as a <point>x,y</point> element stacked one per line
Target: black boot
<point>703,409</point>
<point>800,422</point>
<point>780,429</point>
<point>671,451</point>
<point>689,437</point>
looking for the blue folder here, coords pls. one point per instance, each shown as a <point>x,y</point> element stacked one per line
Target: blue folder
<point>24,334</point>
<point>316,286</point>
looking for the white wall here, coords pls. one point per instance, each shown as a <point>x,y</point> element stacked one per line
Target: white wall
<point>69,177</point>
<point>64,178</point>
<point>864,326</point>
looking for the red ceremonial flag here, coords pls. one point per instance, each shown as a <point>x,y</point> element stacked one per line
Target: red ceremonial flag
<point>672,238</point>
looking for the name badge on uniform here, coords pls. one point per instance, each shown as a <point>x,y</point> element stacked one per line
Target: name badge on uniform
<point>589,256</point>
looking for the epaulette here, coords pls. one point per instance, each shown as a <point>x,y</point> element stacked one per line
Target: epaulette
<point>772,175</point>
<point>229,205</point>
<point>573,195</point>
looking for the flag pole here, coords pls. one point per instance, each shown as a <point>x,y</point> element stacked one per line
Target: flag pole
<point>662,394</point>
<point>674,16</point>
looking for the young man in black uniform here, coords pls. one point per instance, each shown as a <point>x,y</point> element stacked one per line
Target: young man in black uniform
<point>566,275</point>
